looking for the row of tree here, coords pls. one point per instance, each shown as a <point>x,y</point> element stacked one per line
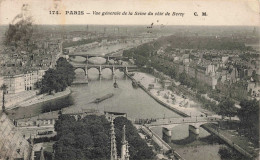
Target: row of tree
<point>59,78</point>
<point>89,138</point>
<point>57,104</point>
<point>248,115</point>
<point>230,154</point>
<point>145,56</point>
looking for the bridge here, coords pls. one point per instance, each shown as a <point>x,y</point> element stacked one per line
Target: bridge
<point>100,67</point>
<point>184,120</point>
<point>168,123</point>
<point>87,56</point>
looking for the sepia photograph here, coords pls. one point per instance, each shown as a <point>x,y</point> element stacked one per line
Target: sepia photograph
<point>129,79</point>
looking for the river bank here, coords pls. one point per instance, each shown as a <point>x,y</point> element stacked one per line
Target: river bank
<point>37,105</point>
<point>12,100</point>
<point>162,96</point>
<point>44,98</point>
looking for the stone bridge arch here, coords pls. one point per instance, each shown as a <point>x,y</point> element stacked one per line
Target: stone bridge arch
<point>81,68</point>
<point>193,128</point>
<point>72,59</point>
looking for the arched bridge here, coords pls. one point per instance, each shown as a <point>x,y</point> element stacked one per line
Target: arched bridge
<point>100,67</point>
<point>194,123</point>
<point>183,120</point>
<point>87,56</point>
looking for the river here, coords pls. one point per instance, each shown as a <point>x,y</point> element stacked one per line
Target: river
<point>135,102</point>
<point>138,105</point>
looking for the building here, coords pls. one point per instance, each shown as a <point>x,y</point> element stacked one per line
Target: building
<point>15,83</point>
<point>22,82</point>
<point>46,119</point>
<point>210,80</point>
<point>31,78</point>
<point>167,83</point>
<point>110,115</point>
<point>205,75</point>
<point>12,144</point>
<point>211,70</point>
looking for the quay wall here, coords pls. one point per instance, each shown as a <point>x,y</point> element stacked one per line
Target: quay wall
<point>165,146</point>
<point>48,98</point>
<point>158,100</point>
<point>35,106</point>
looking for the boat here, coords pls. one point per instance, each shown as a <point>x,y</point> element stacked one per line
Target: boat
<point>115,84</point>
<point>134,84</point>
<point>98,100</point>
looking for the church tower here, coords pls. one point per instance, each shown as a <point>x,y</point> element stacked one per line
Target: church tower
<point>127,155</point>
<point>113,141</point>
<point>124,147</point>
<point>32,147</point>
<point>42,155</point>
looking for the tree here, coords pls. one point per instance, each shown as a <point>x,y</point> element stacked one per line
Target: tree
<point>89,138</point>
<point>227,108</point>
<point>66,71</point>
<point>249,118</point>
<point>59,78</point>
<point>49,81</point>
<point>138,149</point>
<point>184,79</point>
<point>255,76</point>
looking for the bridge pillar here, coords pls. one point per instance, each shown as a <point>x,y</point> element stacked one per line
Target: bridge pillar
<point>167,134</point>
<point>100,70</point>
<point>194,128</point>
<point>86,71</point>
<point>113,70</point>
<point>126,70</point>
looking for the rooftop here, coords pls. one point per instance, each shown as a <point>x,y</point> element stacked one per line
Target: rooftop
<point>12,145</point>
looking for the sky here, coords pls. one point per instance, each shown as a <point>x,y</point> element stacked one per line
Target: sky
<point>219,12</point>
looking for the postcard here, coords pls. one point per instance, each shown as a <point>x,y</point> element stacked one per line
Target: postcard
<point>129,79</point>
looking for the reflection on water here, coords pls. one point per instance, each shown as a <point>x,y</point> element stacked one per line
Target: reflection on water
<point>200,152</point>
<point>190,145</point>
<point>187,140</point>
<point>78,59</point>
